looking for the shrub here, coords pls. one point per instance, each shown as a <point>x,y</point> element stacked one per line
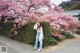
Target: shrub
<point>58,39</point>
<point>27,34</point>
<point>48,40</point>
<point>78,31</point>
<point>5,28</point>
<point>78,16</point>
<point>75,6</point>
<point>67,35</point>
<point>52,41</point>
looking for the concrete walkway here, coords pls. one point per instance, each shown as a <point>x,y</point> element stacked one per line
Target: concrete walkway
<point>67,46</point>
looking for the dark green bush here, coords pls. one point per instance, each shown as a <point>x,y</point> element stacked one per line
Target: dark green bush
<point>5,28</point>
<point>75,6</point>
<point>27,34</point>
<point>78,31</point>
<point>58,39</point>
<point>78,16</point>
<point>52,41</point>
<point>67,35</point>
<point>48,40</point>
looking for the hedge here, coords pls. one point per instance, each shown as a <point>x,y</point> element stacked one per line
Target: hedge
<point>27,34</point>
<point>5,28</point>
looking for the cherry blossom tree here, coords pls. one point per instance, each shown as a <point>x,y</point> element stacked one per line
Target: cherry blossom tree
<point>24,11</point>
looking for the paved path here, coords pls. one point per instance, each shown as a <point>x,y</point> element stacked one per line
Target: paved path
<point>67,46</point>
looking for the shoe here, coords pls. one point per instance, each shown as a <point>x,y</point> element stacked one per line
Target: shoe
<point>39,50</point>
<point>35,48</point>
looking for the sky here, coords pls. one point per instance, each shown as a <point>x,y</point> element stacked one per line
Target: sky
<point>57,2</point>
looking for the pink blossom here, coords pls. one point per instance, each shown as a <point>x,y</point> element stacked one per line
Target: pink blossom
<point>25,11</point>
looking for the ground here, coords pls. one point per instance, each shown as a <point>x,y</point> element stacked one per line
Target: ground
<point>67,46</point>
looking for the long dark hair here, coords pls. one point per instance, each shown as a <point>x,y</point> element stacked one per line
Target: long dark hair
<point>39,26</point>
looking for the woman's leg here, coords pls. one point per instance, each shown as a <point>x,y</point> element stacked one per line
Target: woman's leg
<point>40,45</point>
<point>36,42</point>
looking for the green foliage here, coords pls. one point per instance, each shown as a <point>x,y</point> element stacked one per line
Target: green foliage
<point>78,16</point>
<point>27,34</point>
<point>52,41</point>
<point>58,39</point>
<point>78,31</point>
<point>71,7</point>
<point>75,6</point>
<point>48,40</point>
<point>5,28</point>
<point>67,35</point>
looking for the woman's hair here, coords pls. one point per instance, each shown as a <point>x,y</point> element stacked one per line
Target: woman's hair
<point>39,25</point>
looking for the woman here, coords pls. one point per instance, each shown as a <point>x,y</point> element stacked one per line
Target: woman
<point>39,36</point>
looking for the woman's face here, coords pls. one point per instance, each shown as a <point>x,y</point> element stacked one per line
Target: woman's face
<point>38,24</point>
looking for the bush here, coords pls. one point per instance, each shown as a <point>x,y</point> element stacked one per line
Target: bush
<point>58,39</point>
<point>27,34</point>
<point>78,31</point>
<point>5,28</point>
<point>67,35</point>
<point>78,16</point>
<point>48,40</point>
<point>52,41</point>
<point>75,6</point>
